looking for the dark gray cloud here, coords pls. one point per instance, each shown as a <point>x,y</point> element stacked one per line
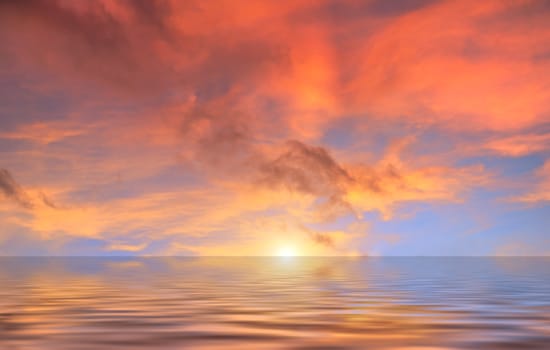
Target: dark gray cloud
<point>12,190</point>
<point>304,168</point>
<point>122,51</point>
<point>396,8</point>
<point>333,207</point>
<point>310,170</point>
<point>221,141</point>
<point>47,201</point>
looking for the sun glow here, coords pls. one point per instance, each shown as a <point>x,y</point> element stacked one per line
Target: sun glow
<point>286,251</point>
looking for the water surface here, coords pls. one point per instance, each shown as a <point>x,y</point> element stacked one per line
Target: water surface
<point>275,303</point>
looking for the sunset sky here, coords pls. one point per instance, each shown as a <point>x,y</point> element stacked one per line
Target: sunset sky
<point>373,127</point>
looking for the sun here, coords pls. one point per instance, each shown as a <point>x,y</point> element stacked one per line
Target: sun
<point>286,251</point>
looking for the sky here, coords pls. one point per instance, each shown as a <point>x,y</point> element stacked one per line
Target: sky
<point>227,127</point>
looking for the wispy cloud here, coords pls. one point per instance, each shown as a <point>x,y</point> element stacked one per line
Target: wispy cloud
<point>539,191</point>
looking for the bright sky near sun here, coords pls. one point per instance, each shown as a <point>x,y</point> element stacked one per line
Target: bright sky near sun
<point>287,128</point>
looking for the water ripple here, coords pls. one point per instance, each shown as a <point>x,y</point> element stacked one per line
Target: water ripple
<point>264,303</point>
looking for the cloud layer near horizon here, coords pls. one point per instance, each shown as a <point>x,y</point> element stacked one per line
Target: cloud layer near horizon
<point>231,127</point>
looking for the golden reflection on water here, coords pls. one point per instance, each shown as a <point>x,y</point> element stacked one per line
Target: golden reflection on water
<point>274,303</point>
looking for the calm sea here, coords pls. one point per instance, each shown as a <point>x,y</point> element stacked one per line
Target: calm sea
<point>274,303</point>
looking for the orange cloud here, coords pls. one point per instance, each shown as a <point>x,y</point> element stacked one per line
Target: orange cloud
<point>240,95</point>
<point>43,132</point>
<point>463,64</point>
<point>519,145</point>
<point>459,64</point>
